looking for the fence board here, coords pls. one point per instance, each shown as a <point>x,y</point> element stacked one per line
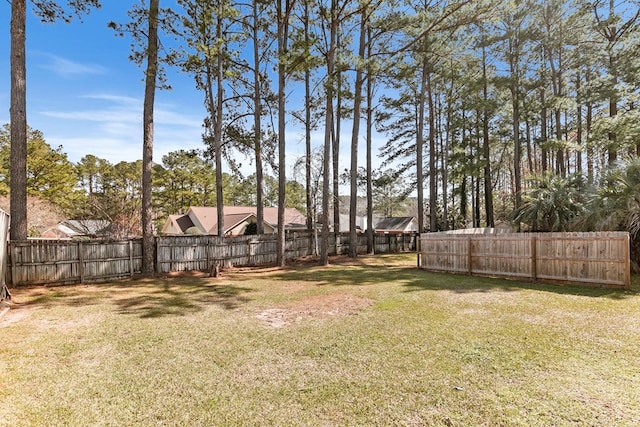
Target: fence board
<point>584,258</point>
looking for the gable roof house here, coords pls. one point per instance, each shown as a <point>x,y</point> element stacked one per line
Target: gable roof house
<point>204,220</point>
<point>361,223</point>
<point>79,228</point>
<point>397,225</point>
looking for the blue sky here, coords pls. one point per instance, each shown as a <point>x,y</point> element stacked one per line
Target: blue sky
<point>84,94</point>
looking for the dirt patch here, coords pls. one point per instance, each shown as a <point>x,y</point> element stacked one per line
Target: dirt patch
<point>315,307</point>
<point>12,313</point>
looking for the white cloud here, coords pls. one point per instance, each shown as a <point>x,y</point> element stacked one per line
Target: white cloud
<point>118,99</point>
<point>111,128</point>
<point>164,115</point>
<point>108,115</point>
<point>122,109</point>
<point>68,69</point>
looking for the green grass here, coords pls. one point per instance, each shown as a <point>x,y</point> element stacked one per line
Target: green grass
<point>369,342</point>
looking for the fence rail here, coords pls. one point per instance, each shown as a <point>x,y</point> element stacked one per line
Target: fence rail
<point>592,259</point>
<point>37,262</point>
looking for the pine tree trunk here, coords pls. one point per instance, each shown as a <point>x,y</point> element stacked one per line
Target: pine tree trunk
<point>330,56</point>
<point>282,172</point>
<point>18,156</point>
<point>257,124</point>
<point>370,236</point>
<point>217,136</point>
<point>433,176</point>
<point>335,157</point>
<point>307,124</point>
<point>420,147</point>
<point>514,70</point>
<point>148,244</point>
<point>355,135</point>
<point>579,128</point>
<point>486,150</point>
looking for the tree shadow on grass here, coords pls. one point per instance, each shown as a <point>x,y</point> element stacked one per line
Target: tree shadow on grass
<point>173,297</point>
<point>413,279</point>
<point>57,295</point>
<point>460,283</point>
<point>146,298</point>
<point>342,275</point>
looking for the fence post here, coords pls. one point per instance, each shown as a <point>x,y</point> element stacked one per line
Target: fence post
<point>534,259</point>
<point>131,258</point>
<point>81,262</point>
<point>10,248</point>
<point>627,257</point>
<point>157,260</point>
<point>469,255</point>
<point>208,253</point>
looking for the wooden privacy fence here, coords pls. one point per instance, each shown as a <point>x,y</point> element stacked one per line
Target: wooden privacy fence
<point>37,262</point>
<point>592,259</point>
<point>187,253</point>
<point>4,230</point>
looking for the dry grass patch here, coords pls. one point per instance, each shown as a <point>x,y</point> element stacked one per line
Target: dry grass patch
<point>313,307</point>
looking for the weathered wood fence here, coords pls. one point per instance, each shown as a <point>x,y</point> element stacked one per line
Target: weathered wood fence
<point>37,262</point>
<point>591,259</point>
<point>4,230</point>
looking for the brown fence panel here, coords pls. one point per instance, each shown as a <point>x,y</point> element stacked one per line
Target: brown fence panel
<point>67,262</point>
<point>103,261</point>
<point>508,254</point>
<point>445,254</point>
<point>392,243</point>
<point>600,259</point>
<point>193,253</point>
<point>182,253</point>
<point>299,244</point>
<point>64,262</point>
<point>41,262</point>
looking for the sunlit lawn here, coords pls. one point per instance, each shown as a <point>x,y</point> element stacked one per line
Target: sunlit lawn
<point>370,342</point>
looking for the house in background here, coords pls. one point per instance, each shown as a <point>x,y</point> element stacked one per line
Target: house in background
<point>204,220</point>
<point>79,228</point>
<point>396,225</point>
<point>361,223</point>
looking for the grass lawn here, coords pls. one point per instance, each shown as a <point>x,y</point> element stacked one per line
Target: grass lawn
<point>367,342</point>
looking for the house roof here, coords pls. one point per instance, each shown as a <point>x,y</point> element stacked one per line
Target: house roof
<point>233,220</point>
<point>177,224</point>
<point>205,218</point>
<point>79,228</point>
<point>403,223</point>
<point>183,222</point>
<point>84,227</point>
